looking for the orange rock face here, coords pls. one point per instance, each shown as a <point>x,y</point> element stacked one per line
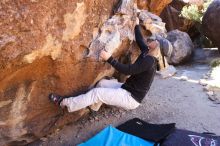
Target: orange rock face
<point>154,6</point>
<point>43,49</point>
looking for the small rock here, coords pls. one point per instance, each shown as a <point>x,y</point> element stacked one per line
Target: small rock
<point>203,82</point>
<point>210,93</point>
<point>183,78</point>
<point>205,76</point>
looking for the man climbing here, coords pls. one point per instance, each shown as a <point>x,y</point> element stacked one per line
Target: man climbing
<point>128,95</point>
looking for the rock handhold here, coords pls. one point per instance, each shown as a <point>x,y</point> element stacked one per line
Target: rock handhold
<point>115,30</point>
<point>153,23</point>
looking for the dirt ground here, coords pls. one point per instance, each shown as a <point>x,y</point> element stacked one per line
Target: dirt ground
<point>178,100</point>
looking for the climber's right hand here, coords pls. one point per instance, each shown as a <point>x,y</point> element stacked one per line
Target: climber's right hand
<point>105,55</point>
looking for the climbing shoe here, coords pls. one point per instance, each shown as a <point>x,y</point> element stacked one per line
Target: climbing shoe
<point>56,99</point>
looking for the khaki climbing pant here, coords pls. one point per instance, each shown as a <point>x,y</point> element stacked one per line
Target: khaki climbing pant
<point>106,91</point>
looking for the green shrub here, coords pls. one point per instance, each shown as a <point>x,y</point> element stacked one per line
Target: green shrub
<point>194,12</point>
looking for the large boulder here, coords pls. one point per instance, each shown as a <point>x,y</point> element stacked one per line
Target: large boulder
<point>182,47</point>
<point>211,23</point>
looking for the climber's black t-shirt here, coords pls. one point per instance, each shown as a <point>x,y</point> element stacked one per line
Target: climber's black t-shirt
<point>142,71</point>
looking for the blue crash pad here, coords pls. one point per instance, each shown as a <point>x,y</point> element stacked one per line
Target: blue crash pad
<point>111,136</point>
